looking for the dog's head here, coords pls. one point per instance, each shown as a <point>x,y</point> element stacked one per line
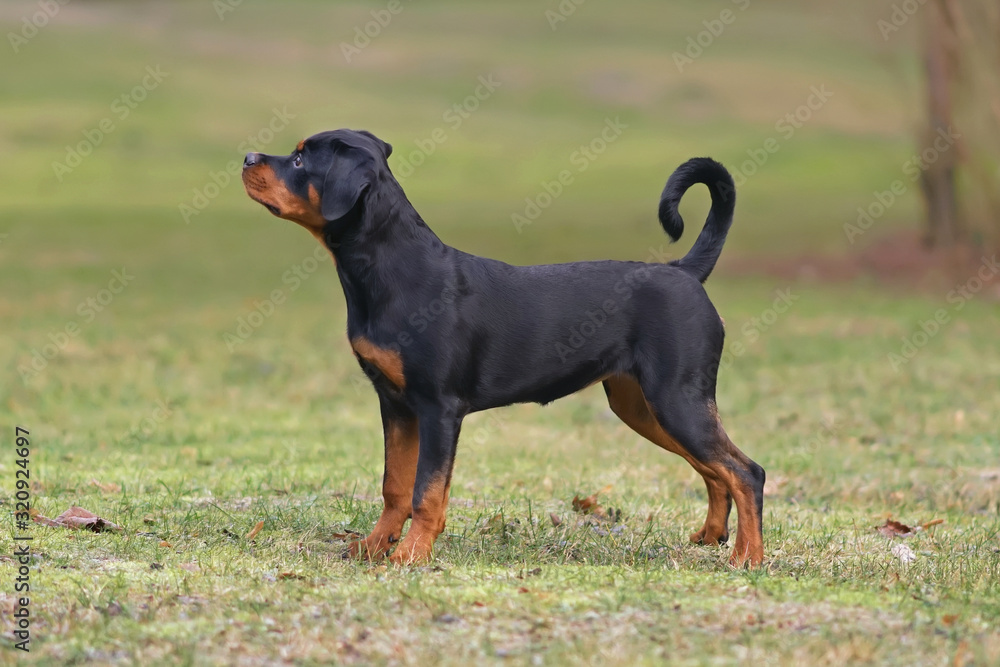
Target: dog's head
<point>321,181</point>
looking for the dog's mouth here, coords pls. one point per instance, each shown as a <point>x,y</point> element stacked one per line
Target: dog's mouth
<point>271,207</point>
<point>254,185</point>
<point>268,205</point>
<point>266,189</point>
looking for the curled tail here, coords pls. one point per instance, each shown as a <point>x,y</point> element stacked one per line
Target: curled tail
<point>705,252</point>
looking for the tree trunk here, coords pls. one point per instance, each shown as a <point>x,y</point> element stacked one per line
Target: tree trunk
<point>938,178</point>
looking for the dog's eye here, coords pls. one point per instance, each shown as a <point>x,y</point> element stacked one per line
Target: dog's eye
<point>297,161</point>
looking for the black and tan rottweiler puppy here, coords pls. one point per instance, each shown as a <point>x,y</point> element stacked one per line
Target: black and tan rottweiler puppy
<point>500,334</point>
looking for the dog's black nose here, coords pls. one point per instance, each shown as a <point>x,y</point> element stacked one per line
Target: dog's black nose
<point>251,159</point>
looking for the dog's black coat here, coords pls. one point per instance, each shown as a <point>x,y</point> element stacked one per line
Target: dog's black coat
<point>454,333</point>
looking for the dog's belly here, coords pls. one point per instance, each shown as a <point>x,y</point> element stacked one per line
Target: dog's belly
<point>529,381</point>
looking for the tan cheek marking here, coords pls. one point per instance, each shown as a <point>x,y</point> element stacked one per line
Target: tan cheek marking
<point>389,362</point>
<point>263,184</point>
<point>317,231</point>
<point>298,210</point>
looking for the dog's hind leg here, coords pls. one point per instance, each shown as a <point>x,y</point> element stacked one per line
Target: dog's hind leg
<point>720,503</point>
<point>687,424</point>
<point>627,401</point>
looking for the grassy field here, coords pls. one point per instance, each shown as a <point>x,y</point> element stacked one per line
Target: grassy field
<point>117,311</point>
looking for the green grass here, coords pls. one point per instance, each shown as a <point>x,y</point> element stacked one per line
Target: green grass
<point>286,432</point>
<point>284,429</point>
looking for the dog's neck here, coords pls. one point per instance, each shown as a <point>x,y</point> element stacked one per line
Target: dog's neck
<point>386,227</point>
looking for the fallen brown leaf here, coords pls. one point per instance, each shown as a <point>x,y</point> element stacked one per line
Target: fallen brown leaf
<point>348,535</point>
<point>556,521</point>
<point>893,528</point>
<point>589,505</point>
<point>45,521</point>
<point>106,487</point>
<point>76,518</point>
<point>256,529</point>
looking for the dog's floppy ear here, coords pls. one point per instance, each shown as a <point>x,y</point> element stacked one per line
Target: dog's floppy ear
<point>386,147</point>
<point>349,176</point>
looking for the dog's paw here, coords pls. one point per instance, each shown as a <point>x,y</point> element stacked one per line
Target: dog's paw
<point>370,548</point>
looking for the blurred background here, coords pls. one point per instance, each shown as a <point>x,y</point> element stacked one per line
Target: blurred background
<point>120,119</point>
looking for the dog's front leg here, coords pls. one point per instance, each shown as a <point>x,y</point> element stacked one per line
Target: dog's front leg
<point>401,450</point>
<point>439,428</point>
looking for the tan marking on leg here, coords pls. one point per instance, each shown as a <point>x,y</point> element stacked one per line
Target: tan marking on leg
<point>388,362</point>
<point>428,522</point>
<point>628,402</point>
<point>716,528</point>
<point>749,546</point>
<point>402,445</point>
